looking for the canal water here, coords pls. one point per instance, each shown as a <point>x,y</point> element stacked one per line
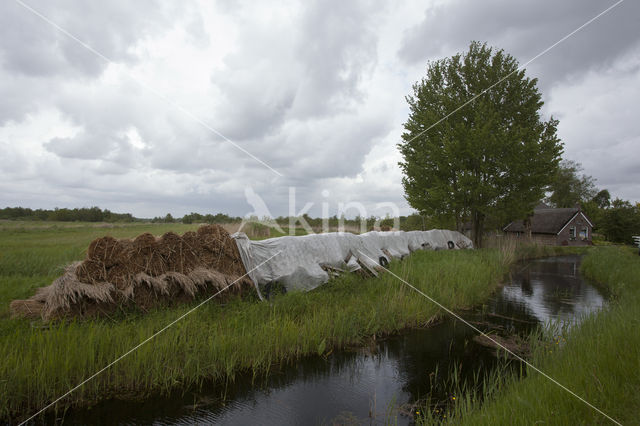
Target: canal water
<point>375,384</point>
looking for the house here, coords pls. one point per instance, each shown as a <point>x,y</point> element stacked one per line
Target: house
<point>549,226</point>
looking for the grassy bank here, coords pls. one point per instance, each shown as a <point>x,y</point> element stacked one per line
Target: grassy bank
<point>215,342</point>
<point>599,361</point>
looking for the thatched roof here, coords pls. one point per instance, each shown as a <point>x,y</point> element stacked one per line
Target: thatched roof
<point>545,220</point>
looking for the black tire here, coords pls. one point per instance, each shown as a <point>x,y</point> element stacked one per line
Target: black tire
<point>451,245</point>
<point>383,262</point>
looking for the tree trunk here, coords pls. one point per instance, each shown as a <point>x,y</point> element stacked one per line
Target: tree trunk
<point>478,225</point>
<point>527,227</point>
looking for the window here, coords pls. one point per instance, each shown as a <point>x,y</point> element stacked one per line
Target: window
<point>572,233</point>
<point>584,233</point>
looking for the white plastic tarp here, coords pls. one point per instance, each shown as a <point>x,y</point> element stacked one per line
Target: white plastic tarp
<point>301,262</point>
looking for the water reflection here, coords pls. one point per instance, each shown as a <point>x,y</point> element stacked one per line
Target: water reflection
<point>358,386</point>
<point>550,290</point>
<point>361,386</point>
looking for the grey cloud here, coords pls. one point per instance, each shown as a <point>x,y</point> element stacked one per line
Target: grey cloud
<point>337,45</point>
<point>28,45</point>
<point>82,146</point>
<point>20,96</point>
<point>257,84</point>
<point>182,156</point>
<point>37,60</point>
<point>292,94</point>
<point>255,103</point>
<point>337,150</point>
<point>307,70</point>
<point>614,167</point>
<point>524,29</point>
<point>598,123</point>
<point>104,118</point>
<point>313,149</point>
<point>34,47</point>
<point>104,154</point>
<point>172,141</point>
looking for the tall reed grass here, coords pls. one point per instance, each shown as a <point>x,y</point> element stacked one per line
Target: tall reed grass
<point>514,248</point>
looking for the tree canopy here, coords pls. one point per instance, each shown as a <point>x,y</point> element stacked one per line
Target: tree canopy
<point>569,187</point>
<point>84,214</point>
<point>616,220</point>
<point>621,221</point>
<point>493,157</point>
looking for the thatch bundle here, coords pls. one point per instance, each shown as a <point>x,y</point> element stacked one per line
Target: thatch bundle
<point>142,272</point>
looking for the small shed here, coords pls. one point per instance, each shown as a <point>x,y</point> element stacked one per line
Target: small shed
<point>550,226</point>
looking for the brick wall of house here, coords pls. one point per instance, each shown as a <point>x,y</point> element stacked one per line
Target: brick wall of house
<point>579,223</point>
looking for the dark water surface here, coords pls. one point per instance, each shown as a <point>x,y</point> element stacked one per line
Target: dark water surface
<point>371,385</point>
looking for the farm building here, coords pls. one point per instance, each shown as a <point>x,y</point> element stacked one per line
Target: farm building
<point>550,226</point>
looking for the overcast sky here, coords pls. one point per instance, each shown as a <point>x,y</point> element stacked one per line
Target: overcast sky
<point>313,91</point>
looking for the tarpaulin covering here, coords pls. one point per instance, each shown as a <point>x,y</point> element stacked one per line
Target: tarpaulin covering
<point>303,262</point>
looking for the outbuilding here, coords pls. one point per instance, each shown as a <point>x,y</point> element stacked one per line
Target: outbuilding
<point>551,226</point>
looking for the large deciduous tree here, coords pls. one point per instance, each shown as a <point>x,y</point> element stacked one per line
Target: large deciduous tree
<point>570,188</point>
<point>493,157</point>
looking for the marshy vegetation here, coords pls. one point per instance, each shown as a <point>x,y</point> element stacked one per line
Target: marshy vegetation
<point>217,341</point>
<point>597,360</point>
<point>43,361</point>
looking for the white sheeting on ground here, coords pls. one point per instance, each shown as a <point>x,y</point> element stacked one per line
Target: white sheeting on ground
<point>301,262</point>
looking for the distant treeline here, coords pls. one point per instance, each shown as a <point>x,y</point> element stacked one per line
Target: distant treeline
<point>85,214</point>
<point>407,223</point>
<point>618,221</point>
<point>95,214</point>
<point>198,218</point>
